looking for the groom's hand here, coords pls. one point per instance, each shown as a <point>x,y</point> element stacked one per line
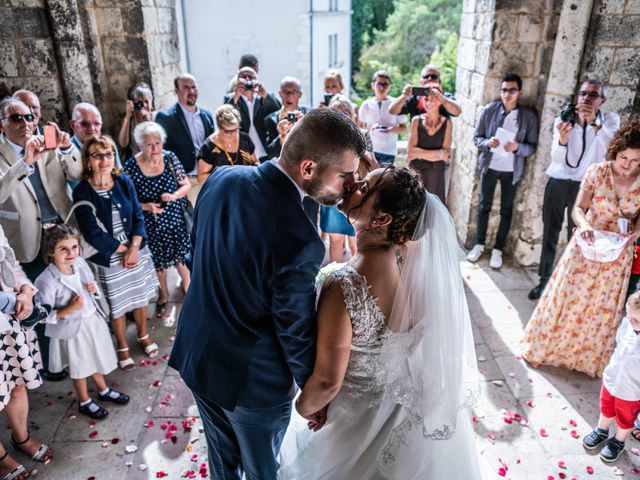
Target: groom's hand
<point>317,419</point>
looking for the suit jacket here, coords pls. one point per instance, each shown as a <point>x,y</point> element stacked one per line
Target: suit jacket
<point>178,135</point>
<point>19,209</point>
<point>125,198</point>
<point>56,290</point>
<point>247,326</point>
<point>261,109</point>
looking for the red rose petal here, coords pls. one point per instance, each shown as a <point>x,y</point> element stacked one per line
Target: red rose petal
<point>562,475</point>
<point>543,433</point>
<point>573,423</point>
<point>115,441</point>
<point>93,434</point>
<point>531,403</point>
<point>562,464</point>
<point>590,470</point>
<point>502,472</point>
<point>574,434</point>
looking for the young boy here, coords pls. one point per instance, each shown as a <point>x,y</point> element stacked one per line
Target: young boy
<point>620,393</point>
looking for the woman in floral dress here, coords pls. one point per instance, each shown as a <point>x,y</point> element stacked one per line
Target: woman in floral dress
<point>575,322</point>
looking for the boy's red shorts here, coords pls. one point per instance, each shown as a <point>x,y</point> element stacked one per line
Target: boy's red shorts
<point>624,411</point>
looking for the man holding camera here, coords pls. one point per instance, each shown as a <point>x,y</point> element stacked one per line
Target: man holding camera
<point>383,127</point>
<point>254,104</point>
<point>409,102</point>
<point>581,136</point>
<point>187,126</point>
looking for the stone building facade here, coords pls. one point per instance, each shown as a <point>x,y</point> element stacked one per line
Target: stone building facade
<point>68,51</point>
<point>551,44</point>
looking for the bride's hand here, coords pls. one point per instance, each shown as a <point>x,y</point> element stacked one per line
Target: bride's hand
<point>317,419</point>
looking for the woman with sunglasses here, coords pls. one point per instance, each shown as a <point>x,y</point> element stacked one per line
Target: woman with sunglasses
<point>411,104</point>
<point>116,230</point>
<point>227,145</point>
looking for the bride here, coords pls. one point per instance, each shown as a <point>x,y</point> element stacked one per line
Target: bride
<point>395,367</point>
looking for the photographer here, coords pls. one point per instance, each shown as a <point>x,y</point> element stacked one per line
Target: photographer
<point>581,136</point>
<point>138,109</point>
<point>253,102</point>
<point>413,105</point>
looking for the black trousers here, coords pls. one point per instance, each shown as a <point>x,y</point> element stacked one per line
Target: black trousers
<point>488,182</point>
<point>559,196</point>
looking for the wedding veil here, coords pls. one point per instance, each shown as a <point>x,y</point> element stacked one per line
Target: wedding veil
<point>428,355</point>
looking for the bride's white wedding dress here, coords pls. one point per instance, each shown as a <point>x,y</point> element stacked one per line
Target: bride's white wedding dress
<point>403,409</point>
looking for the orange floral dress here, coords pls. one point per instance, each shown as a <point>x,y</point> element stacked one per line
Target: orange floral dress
<point>574,324</point>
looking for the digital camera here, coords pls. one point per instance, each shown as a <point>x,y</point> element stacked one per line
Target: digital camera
<point>568,114</point>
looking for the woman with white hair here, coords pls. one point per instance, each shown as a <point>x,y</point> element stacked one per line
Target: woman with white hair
<point>162,186</point>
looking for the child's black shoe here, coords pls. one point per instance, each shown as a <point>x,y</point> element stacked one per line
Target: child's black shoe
<point>93,410</point>
<point>612,450</point>
<point>40,313</point>
<point>114,397</point>
<point>595,438</point>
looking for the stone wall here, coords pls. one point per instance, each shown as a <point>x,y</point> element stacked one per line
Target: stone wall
<point>68,51</point>
<point>551,44</point>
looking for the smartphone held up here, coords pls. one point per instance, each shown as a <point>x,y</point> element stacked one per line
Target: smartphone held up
<point>50,134</point>
<point>420,91</point>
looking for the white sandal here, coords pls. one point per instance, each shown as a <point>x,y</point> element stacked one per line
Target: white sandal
<point>150,350</point>
<point>127,364</point>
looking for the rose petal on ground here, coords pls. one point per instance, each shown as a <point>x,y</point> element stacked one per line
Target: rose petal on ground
<point>482,359</point>
<point>524,422</point>
<point>590,470</point>
<point>502,472</point>
<point>512,375</point>
<point>543,433</point>
<point>551,477</point>
<point>549,394</point>
<point>148,409</point>
<point>562,464</point>
<point>507,419</point>
<point>161,474</point>
<point>142,467</point>
<point>149,424</point>
<point>194,457</point>
<point>104,444</point>
<point>635,451</point>
<point>531,403</point>
<point>131,448</point>
<point>497,383</point>
<point>561,475</point>
<point>93,434</point>
<point>573,423</point>
<point>115,441</point>
<point>574,434</point>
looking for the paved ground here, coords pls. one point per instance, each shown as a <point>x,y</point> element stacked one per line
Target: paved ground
<point>162,426</point>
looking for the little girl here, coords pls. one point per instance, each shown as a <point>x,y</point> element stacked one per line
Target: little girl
<point>78,329</point>
<point>620,393</point>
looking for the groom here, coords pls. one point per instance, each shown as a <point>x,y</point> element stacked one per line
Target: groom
<point>247,327</point>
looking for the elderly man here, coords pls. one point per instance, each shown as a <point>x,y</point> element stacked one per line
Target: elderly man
<point>278,125</point>
<point>254,104</point>
<point>86,123</point>
<point>407,103</point>
<point>31,100</point>
<point>187,126</point>
<point>33,187</point>
<point>577,143</point>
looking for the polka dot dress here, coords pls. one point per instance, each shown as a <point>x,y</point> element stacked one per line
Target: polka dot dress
<point>166,233</point>
<point>19,361</point>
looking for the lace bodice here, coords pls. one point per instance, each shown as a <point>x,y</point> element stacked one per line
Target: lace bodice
<point>363,372</point>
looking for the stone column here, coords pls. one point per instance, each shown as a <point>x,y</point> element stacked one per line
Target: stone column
<point>71,56</point>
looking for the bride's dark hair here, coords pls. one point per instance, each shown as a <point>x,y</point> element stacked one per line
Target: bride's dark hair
<point>402,195</point>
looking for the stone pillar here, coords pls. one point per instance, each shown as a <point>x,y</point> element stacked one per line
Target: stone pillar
<point>70,52</point>
<point>563,77</point>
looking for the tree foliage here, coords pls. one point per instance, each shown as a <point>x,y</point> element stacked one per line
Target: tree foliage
<point>414,32</point>
<point>368,17</point>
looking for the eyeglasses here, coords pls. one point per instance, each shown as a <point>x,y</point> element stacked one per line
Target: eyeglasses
<point>17,118</point>
<point>85,124</point>
<point>229,132</point>
<point>511,90</point>
<point>102,156</point>
<point>290,93</point>
<point>431,76</point>
<point>590,94</point>
<point>382,84</point>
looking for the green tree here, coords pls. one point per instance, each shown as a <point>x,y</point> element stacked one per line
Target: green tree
<point>368,17</point>
<point>414,31</point>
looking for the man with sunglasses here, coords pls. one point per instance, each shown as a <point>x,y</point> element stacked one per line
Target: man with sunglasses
<point>33,187</point>
<point>31,100</point>
<point>574,148</point>
<point>502,161</point>
<point>383,127</point>
<point>407,103</point>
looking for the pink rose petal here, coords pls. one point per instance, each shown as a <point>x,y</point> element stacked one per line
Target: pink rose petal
<point>93,434</point>
<point>590,470</point>
<point>573,423</point>
<point>543,433</point>
<point>574,434</point>
<point>562,464</point>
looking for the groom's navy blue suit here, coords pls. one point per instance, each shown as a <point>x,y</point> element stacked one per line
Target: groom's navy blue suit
<point>247,327</point>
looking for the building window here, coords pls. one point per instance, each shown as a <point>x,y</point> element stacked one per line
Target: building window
<point>333,50</point>
<point>333,5</point>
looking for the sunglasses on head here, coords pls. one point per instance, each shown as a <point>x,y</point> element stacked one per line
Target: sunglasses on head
<point>17,117</point>
<point>511,90</point>
<point>431,76</point>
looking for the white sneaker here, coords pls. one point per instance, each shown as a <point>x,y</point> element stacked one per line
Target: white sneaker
<point>475,253</point>
<point>496,259</point>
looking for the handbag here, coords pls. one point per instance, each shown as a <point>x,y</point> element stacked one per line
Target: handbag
<point>88,250</point>
<point>185,204</point>
<point>635,265</point>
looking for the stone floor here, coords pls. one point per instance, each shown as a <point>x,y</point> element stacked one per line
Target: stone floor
<point>161,429</point>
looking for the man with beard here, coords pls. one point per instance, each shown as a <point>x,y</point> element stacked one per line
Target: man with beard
<point>187,126</point>
<point>247,327</point>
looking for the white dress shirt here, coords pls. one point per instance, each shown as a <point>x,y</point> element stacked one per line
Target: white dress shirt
<point>502,161</point>
<point>253,133</point>
<point>595,145</point>
<point>622,376</point>
<point>373,111</point>
<point>196,129</point>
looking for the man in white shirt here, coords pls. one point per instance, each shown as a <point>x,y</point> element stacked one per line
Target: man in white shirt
<point>574,147</point>
<point>383,126</point>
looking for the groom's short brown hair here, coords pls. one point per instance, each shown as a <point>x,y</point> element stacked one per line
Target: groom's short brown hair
<point>322,135</point>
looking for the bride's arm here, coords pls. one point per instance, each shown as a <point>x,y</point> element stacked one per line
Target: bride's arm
<point>332,351</point>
